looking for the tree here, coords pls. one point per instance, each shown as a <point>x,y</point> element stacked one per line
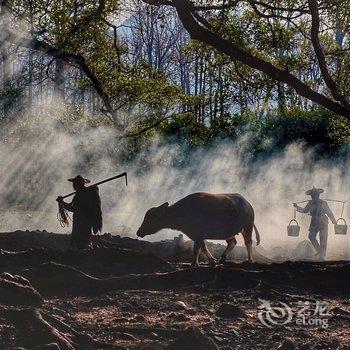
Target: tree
<point>218,24</point>
<point>82,35</point>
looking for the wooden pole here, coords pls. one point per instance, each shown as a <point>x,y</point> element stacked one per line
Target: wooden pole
<point>102,182</point>
<point>328,200</point>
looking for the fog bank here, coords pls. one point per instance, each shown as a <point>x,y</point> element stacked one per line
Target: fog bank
<point>39,154</point>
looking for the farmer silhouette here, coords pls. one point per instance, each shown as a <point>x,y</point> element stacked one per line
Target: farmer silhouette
<point>87,214</point>
<point>319,211</point>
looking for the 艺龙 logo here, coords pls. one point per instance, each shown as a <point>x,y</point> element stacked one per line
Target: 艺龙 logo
<point>274,315</point>
<point>307,314</point>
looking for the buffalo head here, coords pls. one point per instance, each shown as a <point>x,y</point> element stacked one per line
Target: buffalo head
<point>153,221</point>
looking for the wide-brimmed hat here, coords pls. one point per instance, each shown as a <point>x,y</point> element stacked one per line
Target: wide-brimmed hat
<point>79,179</point>
<point>313,191</point>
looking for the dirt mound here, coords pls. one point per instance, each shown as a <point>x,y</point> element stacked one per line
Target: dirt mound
<point>15,290</point>
<point>71,281</point>
<point>102,262</point>
<point>171,250</point>
<point>230,311</point>
<point>24,240</point>
<point>193,339</point>
<point>46,331</point>
<point>303,251</point>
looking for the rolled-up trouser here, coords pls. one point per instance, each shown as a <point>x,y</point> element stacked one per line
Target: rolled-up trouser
<point>322,246</point>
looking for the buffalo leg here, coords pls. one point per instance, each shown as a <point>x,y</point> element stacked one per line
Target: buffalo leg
<point>212,260</point>
<point>196,248</point>
<point>231,243</point>
<point>247,235</point>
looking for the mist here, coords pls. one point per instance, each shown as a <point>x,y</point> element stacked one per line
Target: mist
<point>39,152</point>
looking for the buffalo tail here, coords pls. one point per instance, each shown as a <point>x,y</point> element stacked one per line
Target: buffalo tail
<point>257,234</point>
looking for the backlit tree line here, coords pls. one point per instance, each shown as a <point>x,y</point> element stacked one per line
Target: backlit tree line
<point>141,64</point>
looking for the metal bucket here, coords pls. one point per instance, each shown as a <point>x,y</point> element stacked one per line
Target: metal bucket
<point>293,230</point>
<point>341,229</point>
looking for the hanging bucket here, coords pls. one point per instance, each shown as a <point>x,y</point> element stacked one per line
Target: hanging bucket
<point>293,230</point>
<point>341,227</point>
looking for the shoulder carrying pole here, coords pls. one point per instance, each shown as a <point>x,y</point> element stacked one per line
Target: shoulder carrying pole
<point>102,182</point>
<point>326,199</point>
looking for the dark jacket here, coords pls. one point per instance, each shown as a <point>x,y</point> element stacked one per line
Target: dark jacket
<point>87,214</point>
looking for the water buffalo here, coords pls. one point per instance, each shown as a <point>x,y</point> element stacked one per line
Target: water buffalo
<point>205,216</point>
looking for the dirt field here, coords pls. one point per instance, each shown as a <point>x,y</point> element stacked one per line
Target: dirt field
<point>127,297</point>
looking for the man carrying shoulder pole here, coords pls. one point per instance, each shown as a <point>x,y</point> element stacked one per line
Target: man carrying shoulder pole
<point>319,211</point>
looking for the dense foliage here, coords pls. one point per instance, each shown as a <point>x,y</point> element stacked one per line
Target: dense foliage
<point>136,65</point>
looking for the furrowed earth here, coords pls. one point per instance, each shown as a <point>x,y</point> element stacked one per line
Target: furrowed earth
<point>132,294</point>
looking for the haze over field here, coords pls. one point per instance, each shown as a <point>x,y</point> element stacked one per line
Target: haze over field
<point>224,97</point>
<point>38,157</point>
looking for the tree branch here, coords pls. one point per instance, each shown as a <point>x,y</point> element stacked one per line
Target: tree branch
<point>85,21</point>
<point>185,10</point>
<point>301,9</point>
<point>254,6</point>
<point>315,28</point>
<point>68,58</point>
